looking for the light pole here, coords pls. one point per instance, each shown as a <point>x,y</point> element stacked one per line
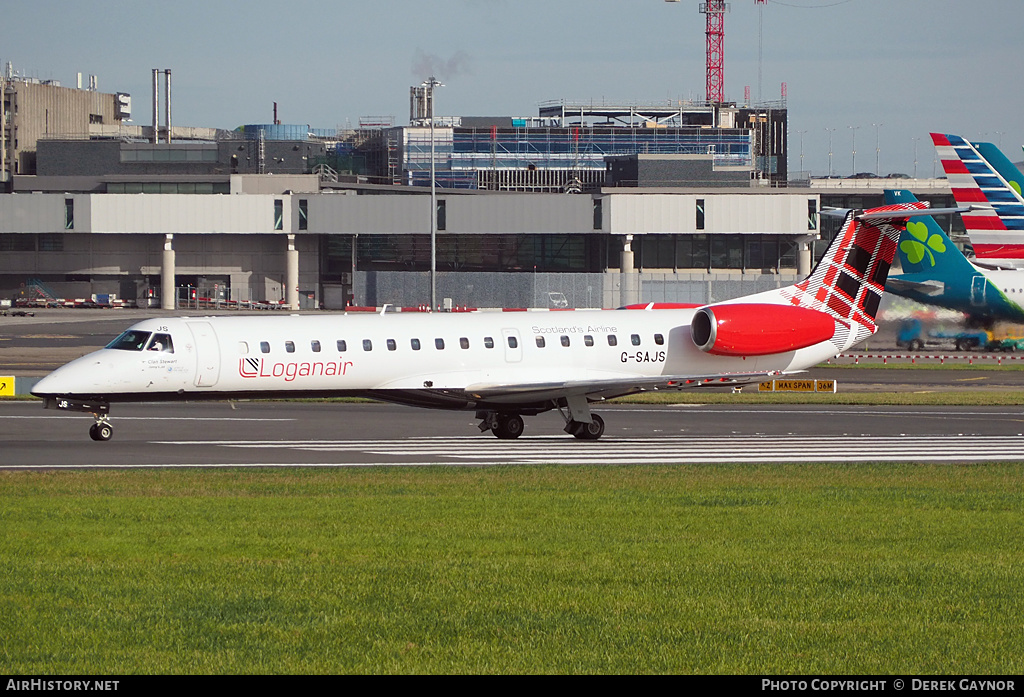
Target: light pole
<point>853,149</point>
<point>877,126</point>
<point>915,139</point>
<point>429,84</point>
<point>802,152</point>
<point>830,132</point>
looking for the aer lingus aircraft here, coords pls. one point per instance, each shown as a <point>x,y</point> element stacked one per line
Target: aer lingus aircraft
<point>935,272</point>
<point>502,365</point>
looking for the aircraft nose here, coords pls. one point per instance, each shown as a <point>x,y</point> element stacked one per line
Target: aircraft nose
<point>45,387</point>
<point>78,376</point>
<point>55,383</point>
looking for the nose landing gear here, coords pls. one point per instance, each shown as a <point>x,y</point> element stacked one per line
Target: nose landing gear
<point>101,430</point>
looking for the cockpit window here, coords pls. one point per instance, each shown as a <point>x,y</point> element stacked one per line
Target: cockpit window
<point>130,340</point>
<point>161,343</point>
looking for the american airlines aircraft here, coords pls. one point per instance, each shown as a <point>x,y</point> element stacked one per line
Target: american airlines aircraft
<point>983,179</point>
<point>502,365</point>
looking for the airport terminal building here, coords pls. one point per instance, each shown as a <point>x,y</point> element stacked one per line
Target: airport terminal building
<point>337,246</point>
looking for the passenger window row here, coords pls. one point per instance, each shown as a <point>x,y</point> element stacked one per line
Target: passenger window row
<point>416,345</point>
<point>588,340</point>
<point>367,344</point>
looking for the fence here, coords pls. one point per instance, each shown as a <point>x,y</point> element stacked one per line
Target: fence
<point>558,290</point>
<point>220,297</point>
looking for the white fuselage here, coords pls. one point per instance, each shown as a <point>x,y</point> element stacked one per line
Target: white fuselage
<point>401,352</point>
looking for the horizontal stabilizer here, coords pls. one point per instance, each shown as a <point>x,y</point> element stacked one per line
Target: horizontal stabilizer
<point>902,215</point>
<point>899,285</point>
<point>875,215</point>
<point>998,264</point>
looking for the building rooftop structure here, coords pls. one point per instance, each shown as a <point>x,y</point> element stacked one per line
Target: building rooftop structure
<point>564,148</point>
<point>32,109</point>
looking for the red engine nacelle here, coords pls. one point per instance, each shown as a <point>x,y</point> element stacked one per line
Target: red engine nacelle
<point>758,330</point>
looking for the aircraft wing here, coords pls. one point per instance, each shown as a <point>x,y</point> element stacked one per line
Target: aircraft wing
<point>608,388</point>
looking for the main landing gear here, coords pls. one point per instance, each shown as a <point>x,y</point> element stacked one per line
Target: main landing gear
<point>502,424</point>
<point>586,431</point>
<point>580,424</point>
<point>579,421</point>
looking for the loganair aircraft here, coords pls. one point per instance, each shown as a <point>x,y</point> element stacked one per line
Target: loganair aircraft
<point>503,365</point>
<point>935,272</point>
<point>984,179</point>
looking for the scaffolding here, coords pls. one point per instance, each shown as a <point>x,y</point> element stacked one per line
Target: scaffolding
<point>670,113</point>
<point>557,158</point>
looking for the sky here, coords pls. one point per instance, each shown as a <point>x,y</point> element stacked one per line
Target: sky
<point>881,73</point>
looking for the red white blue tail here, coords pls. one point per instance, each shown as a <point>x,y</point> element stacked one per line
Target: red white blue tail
<point>981,177</point>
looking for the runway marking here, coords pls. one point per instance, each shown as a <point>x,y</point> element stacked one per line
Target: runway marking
<point>667,450</point>
<point>162,418</point>
<point>858,410</point>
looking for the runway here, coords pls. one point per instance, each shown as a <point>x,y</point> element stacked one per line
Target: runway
<point>366,435</point>
<point>306,434</point>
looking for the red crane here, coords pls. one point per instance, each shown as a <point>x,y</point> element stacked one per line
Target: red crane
<point>715,10</point>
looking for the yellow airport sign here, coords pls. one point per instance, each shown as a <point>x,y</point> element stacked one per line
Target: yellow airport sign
<point>797,386</point>
<point>6,385</point>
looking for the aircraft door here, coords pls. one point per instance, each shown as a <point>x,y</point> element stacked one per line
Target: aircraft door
<point>978,284</point>
<point>513,345</point>
<point>207,354</point>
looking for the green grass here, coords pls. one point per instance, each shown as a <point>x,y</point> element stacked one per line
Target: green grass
<point>686,569</point>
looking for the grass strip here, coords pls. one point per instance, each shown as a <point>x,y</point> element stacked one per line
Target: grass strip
<point>809,569</point>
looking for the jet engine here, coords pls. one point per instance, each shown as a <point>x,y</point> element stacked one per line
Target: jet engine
<point>758,330</point>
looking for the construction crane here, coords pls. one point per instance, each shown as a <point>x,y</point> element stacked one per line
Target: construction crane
<point>716,11</point>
